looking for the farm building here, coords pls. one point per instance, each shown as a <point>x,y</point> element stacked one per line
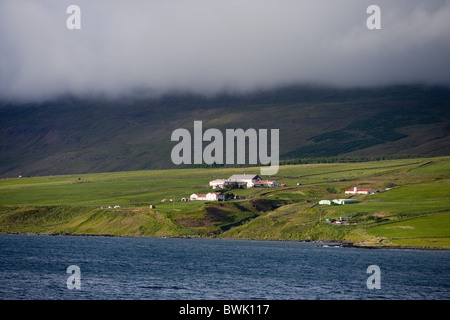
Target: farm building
<point>245,180</point>
<point>198,196</point>
<point>211,196</point>
<point>355,190</point>
<point>266,183</point>
<point>219,183</point>
<point>342,220</point>
<point>338,201</point>
<point>344,201</point>
<point>215,196</point>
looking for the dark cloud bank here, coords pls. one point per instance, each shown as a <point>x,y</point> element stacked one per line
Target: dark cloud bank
<point>207,46</point>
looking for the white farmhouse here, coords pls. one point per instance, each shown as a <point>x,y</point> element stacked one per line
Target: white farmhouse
<point>355,190</point>
<point>215,196</point>
<point>211,196</point>
<point>266,183</point>
<point>338,201</point>
<point>219,183</point>
<point>198,196</point>
<point>245,180</point>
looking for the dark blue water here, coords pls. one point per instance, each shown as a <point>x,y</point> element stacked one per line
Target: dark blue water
<point>34,267</point>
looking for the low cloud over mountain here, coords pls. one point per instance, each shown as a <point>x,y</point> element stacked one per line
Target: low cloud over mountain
<point>209,46</point>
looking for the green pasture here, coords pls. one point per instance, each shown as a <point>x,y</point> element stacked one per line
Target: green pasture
<point>425,231</point>
<point>411,208</point>
<point>146,187</point>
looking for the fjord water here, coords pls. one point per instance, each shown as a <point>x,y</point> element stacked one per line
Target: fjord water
<point>35,267</point>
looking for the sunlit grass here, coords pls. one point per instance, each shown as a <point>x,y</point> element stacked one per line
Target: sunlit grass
<point>412,211</point>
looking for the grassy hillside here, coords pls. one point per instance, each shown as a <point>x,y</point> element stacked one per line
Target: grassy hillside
<point>73,135</point>
<point>415,211</point>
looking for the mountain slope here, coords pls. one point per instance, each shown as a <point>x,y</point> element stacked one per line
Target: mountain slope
<point>74,135</point>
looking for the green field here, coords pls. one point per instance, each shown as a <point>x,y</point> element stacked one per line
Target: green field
<point>412,208</point>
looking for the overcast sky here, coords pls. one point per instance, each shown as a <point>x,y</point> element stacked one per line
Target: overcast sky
<point>211,45</point>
